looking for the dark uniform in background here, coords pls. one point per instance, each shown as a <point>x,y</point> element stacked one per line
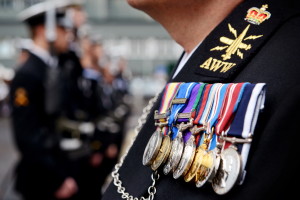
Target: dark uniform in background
<point>42,168</point>
<point>106,111</point>
<point>66,122</point>
<point>80,107</point>
<point>273,58</point>
<point>121,99</point>
<point>90,130</point>
<point>71,66</point>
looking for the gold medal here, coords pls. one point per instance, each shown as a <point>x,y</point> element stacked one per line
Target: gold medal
<point>163,153</point>
<point>207,168</point>
<point>198,159</point>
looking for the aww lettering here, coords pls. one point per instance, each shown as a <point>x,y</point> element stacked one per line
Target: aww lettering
<point>214,65</point>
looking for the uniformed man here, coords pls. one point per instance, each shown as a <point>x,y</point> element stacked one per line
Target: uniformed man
<point>23,46</point>
<point>229,41</point>
<point>82,108</point>
<point>99,107</point>
<point>70,60</point>
<point>76,124</point>
<point>41,172</point>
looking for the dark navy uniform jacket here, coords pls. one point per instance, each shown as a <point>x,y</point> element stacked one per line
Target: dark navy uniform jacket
<point>274,59</point>
<point>40,169</point>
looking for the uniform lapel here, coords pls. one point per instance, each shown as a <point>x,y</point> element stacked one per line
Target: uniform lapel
<point>232,44</point>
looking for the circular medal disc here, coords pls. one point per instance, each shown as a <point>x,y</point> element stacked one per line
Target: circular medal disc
<point>175,155</point>
<point>198,158</point>
<point>152,148</point>
<point>229,171</point>
<point>186,159</point>
<point>206,169</point>
<point>163,153</point>
<point>217,160</point>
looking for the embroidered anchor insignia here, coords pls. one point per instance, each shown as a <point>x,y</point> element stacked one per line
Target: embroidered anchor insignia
<point>233,46</point>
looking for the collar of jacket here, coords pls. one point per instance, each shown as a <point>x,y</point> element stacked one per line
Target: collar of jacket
<point>232,44</point>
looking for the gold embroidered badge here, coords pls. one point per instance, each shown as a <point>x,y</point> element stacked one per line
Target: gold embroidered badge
<point>234,46</point>
<point>21,97</point>
<point>237,44</point>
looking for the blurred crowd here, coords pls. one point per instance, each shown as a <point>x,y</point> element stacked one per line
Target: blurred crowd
<point>69,102</point>
<point>6,75</point>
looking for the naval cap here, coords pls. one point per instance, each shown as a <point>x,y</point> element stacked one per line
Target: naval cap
<point>36,14</point>
<point>70,3</point>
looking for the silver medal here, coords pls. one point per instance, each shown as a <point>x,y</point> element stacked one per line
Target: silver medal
<point>152,148</point>
<point>217,160</point>
<point>186,159</point>
<point>175,154</point>
<point>229,171</point>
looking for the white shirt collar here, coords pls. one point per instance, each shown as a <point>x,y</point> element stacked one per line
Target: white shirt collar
<point>184,60</point>
<point>43,55</point>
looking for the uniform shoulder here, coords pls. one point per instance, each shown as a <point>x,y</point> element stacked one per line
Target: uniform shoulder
<point>28,71</point>
<point>286,37</point>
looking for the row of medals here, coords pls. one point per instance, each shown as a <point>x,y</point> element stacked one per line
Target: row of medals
<point>221,167</point>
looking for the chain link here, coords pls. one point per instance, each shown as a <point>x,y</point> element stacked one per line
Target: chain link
<point>115,173</point>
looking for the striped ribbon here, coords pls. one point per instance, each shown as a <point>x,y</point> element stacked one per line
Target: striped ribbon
<point>166,102</point>
<point>191,107</point>
<point>229,107</point>
<point>184,92</point>
<point>202,103</point>
<point>245,120</point>
<point>220,95</point>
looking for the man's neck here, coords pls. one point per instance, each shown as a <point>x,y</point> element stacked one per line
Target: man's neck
<point>40,49</point>
<point>41,43</point>
<point>189,26</point>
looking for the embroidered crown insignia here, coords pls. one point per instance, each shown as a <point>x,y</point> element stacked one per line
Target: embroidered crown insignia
<point>258,15</point>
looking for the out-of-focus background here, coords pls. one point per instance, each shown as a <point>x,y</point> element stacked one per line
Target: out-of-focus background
<point>148,50</point>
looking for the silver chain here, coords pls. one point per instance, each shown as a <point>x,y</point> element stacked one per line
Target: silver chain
<point>115,173</point>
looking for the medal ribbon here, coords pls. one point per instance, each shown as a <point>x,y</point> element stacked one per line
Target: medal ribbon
<point>190,108</point>
<point>169,94</point>
<point>237,125</point>
<point>193,102</point>
<point>205,107</point>
<point>217,105</point>
<point>256,104</point>
<point>216,109</point>
<point>206,102</point>
<point>184,92</point>
<point>229,106</point>
<point>198,99</point>
<point>244,122</point>
<point>209,103</point>
<point>202,103</point>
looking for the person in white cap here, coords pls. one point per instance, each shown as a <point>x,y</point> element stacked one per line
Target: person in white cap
<point>42,172</point>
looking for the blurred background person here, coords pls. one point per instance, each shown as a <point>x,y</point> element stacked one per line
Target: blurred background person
<point>6,75</point>
<point>100,105</point>
<point>24,46</point>
<point>91,148</point>
<point>81,108</point>
<point>42,172</point>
